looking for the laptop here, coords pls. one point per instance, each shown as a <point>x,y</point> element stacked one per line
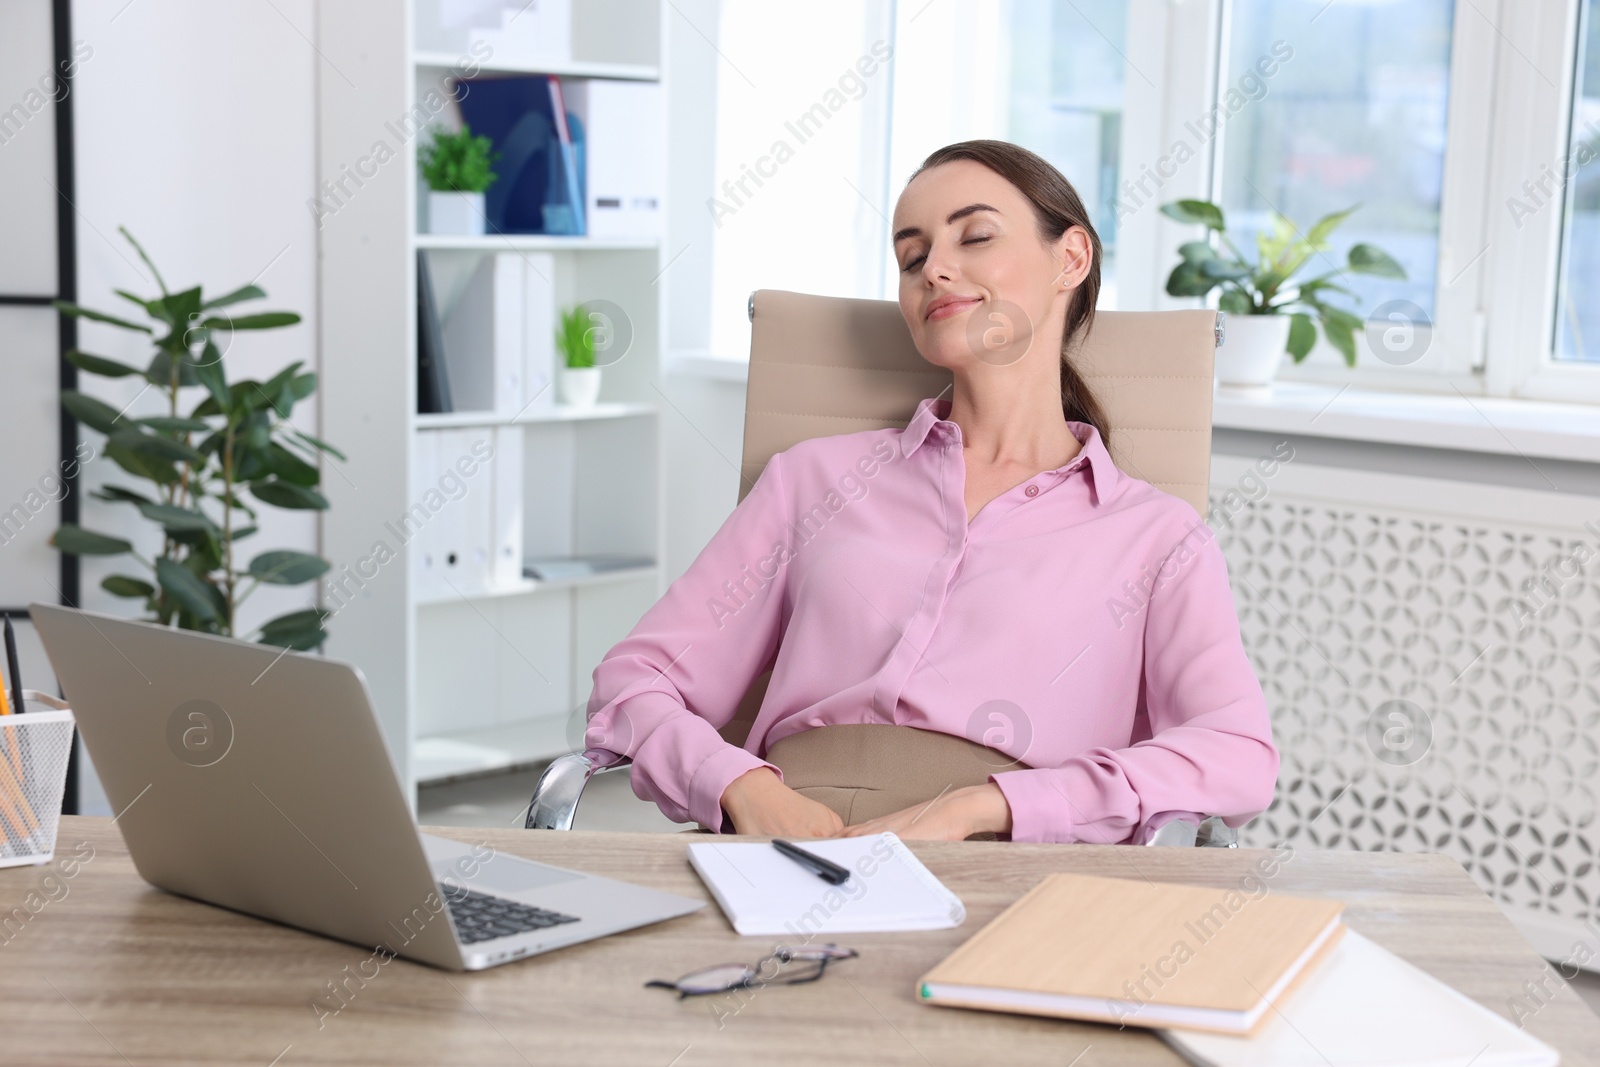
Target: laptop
<point>258,780</point>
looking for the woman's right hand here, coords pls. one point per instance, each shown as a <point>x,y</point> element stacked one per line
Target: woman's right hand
<point>758,802</point>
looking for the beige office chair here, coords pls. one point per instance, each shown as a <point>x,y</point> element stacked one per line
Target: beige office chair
<point>829,365</point>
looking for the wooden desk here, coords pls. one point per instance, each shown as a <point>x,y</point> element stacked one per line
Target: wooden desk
<point>114,972</point>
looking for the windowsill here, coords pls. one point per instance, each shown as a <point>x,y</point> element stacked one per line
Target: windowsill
<point>1503,425</point>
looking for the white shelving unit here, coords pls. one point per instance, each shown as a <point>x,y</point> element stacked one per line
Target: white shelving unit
<point>485,679</point>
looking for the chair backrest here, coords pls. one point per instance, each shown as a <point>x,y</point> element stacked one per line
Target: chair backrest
<point>823,365</point>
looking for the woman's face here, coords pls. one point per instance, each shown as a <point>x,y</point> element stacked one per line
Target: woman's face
<point>977,283</point>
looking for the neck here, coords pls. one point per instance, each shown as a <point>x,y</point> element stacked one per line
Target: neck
<point>1012,414</point>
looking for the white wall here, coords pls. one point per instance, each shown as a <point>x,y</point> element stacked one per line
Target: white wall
<point>704,420</point>
<point>196,131</point>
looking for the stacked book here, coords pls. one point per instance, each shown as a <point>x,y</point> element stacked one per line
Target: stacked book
<point>1237,977</point>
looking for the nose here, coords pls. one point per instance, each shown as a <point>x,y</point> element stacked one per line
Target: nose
<point>940,266</point>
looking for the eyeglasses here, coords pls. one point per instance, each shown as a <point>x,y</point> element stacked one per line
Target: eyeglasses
<point>810,963</point>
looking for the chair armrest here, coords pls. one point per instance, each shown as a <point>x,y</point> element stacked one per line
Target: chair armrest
<point>1187,829</point>
<point>560,787</point>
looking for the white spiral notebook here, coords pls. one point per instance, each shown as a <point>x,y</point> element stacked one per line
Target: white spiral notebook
<point>761,891</point>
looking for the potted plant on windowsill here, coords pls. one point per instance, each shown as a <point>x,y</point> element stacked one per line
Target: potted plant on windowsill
<point>580,378</point>
<point>1269,311</point>
<point>458,167</point>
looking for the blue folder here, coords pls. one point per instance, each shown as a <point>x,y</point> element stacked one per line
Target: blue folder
<point>539,187</point>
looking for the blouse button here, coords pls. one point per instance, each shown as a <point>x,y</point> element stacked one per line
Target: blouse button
<point>1033,490</point>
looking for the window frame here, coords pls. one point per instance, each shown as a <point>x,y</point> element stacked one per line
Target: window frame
<point>1533,117</point>
<point>1512,78</point>
<point>1494,285</point>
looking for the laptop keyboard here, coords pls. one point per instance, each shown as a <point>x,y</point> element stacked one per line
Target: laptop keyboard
<point>480,917</point>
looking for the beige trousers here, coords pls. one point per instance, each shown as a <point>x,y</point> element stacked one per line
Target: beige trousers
<point>863,771</point>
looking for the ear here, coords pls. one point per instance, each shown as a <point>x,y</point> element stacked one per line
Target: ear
<point>1074,254</point>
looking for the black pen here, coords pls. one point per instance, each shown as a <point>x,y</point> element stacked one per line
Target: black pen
<point>827,870</point>
<point>16,668</point>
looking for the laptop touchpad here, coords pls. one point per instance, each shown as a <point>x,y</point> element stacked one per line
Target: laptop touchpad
<point>507,874</point>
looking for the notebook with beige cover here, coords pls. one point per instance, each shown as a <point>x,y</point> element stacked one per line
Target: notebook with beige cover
<point>1138,954</point>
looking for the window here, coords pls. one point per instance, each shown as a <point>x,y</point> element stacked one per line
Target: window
<point>1045,74</point>
<point>1577,327</point>
<point>1068,61</point>
<point>1465,131</point>
<point>798,177</point>
<point>1355,116</point>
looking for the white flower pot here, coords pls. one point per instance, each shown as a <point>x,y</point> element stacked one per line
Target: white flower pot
<point>459,214</point>
<point>580,386</point>
<point>1253,348</point>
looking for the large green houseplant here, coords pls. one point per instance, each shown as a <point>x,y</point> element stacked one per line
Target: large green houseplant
<point>1270,283</point>
<point>203,466</point>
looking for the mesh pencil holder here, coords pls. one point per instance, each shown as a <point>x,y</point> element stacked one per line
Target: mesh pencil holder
<point>34,748</point>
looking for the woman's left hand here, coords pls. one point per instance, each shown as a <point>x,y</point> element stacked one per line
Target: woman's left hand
<point>950,816</point>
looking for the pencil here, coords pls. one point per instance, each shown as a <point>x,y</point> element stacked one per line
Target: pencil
<point>11,735</point>
<point>11,799</point>
<point>16,668</point>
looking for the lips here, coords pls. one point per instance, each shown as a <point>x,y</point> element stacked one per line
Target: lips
<point>948,305</point>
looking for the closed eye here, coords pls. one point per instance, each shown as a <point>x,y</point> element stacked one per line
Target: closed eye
<point>916,261</point>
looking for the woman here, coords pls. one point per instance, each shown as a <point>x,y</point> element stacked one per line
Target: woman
<point>986,575</point>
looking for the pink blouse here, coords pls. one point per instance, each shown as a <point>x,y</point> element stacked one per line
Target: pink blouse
<point>1081,623</point>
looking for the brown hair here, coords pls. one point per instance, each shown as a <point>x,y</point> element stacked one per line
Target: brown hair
<point>1057,207</point>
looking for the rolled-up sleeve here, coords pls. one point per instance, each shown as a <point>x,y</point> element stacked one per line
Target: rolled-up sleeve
<point>1210,749</point>
<point>663,691</point>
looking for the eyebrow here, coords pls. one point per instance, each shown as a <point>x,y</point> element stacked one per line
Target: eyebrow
<point>959,213</point>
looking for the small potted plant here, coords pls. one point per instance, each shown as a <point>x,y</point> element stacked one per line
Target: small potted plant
<point>458,167</point>
<point>1269,311</point>
<point>580,378</point>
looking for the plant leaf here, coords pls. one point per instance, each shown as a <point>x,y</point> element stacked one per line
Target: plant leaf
<point>137,247</point>
<point>172,517</point>
<point>74,540</point>
<point>157,470</point>
<point>244,292</point>
<point>301,631</point>
<point>152,308</point>
<point>157,447</point>
<point>191,592</point>
<point>265,320</point>
<point>106,368</point>
<point>286,567</point>
<point>122,585</point>
<point>1201,212</point>
<point>1195,251</point>
<point>1187,279</point>
<point>118,495</point>
<point>1302,336</point>
<point>1369,259</point>
<point>288,495</point>
<point>1326,225</point>
<point>1234,302</point>
<point>182,309</point>
<point>1225,270</point>
<point>93,413</point>
<point>208,372</point>
<point>302,386</point>
<point>98,316</point>
<point>319,445</point>
<point>1339,327</point>
<point>167,424</point>
<point>290,467</point>
<point>159,373</point>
